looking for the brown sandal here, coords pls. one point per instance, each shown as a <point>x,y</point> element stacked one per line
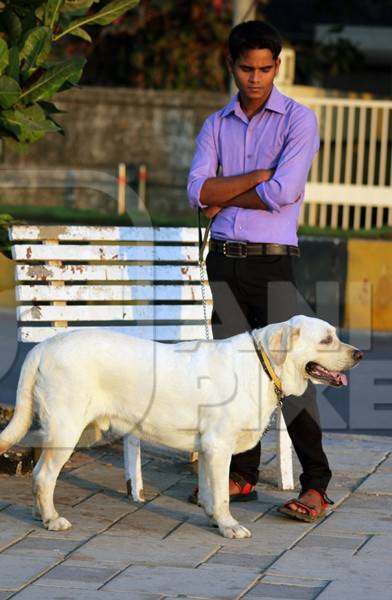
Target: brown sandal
<point>246,491</point>
<point>306,501</point>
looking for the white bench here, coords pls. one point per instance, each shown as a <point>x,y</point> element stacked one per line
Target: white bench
<point>143,281</point>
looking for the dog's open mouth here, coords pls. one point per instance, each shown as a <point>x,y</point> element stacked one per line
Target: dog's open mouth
<point>322,374</point>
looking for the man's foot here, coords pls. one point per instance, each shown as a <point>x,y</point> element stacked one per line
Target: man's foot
<point>240,490</point>
<point>309,506</point>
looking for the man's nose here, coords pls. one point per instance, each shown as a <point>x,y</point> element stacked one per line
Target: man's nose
<point>357,355</point>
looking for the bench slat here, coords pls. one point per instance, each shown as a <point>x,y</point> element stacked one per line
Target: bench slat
<point>28,252</point>
<point>107,273</point>
<point>119,293</point>
<point>112,313</point>
<point>160,333</point>
<point>89,233</point>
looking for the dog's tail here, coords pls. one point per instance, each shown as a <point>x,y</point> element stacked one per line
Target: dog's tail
<point>23,414</point>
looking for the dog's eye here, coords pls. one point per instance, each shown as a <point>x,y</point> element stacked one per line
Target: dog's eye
<point>327,340</point>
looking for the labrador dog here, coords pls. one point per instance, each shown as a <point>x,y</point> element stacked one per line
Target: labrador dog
<point>212,397</point>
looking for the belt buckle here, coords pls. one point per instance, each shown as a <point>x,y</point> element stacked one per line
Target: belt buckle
<point>235,249</point>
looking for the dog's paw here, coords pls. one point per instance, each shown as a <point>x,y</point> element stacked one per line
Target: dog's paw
<point>237,532</point>
<point>59,524</point>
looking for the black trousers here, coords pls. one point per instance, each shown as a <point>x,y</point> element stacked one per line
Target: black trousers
<point>249,293</point>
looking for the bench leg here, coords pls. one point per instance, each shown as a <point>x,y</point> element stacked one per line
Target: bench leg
<point>133,467</point>
<point>284,455</point>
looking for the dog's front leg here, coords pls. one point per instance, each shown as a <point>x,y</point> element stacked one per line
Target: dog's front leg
<point>214,491</point>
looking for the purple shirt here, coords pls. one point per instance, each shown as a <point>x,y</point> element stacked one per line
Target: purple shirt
<point>282,136</point>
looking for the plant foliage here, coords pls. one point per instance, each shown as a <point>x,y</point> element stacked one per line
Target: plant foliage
<point>29,77</point>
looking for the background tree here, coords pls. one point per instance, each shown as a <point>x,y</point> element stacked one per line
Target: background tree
<point>30,72</point>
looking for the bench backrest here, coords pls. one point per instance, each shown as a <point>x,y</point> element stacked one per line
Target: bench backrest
<point>144,281</point>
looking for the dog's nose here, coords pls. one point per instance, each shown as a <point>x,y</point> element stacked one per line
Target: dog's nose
<point>357,355</point>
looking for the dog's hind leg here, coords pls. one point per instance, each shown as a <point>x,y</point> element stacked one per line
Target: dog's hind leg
<point>133,467</point>
<point>214,492</point>
<point>44,481</point>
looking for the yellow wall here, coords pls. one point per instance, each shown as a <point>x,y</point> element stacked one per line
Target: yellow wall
<point>7,285</point>
<point>369,285</point>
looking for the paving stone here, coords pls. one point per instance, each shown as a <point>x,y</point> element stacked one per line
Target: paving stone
<point>357,521</point>
<point>16,520</point>
<point>378,483</point>
<point>339,543</point>
<point>108,549</point>
<point>284,592</point>
<point>359,588</point>
<point>326,563</point>
<point>386,466</point>
<point>52,547</point>
<point>16,489</point>
<point>377,546</point>
<point>242,559</point>
<point>295,581</point>
<point>10,536</point>
<point>369,502</point>
<point>16,571</point>
<point>97,476</point>
<point>40,592</point>
<point>68,576</point>
<point>215,581</point>
<point>4,595</point>
<point>145,522</point>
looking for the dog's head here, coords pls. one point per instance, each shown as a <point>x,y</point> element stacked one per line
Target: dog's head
<point>304,349</point>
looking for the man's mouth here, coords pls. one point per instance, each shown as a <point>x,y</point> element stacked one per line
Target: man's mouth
<point>324,375</point>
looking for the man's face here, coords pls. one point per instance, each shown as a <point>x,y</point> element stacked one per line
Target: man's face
<point>254,72</point>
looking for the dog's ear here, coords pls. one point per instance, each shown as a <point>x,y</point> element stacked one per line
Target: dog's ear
<point>280,343</point>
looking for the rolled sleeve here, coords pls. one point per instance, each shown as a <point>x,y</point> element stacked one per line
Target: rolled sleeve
<point>204,164</point>
<point>287,184</point>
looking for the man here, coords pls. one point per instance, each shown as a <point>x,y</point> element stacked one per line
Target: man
<point>262,145</point>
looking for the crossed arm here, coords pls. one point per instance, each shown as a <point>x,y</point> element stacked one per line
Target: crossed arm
<point>238,190</point>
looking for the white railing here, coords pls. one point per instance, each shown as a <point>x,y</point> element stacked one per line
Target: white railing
<point>350,179</point>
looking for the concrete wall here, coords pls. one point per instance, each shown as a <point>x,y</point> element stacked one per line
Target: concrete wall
<point>105,126</point>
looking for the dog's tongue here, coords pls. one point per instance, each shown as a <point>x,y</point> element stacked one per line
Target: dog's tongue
<point>340,377</point>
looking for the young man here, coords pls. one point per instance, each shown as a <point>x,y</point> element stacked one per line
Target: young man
<point>262,145</point>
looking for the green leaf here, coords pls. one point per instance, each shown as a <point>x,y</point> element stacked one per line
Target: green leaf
<point>13,65</point>
<point>78,7</point>
<point>9,91</point>
<point>4,56</point>
<point>79,32</point>
<point>52,10</point>
<point>51,109</point>
<point>36,48</point>
<point>53,79</point>
<point>13,26</point>
<point>29,123</point>
<point>106,15</point>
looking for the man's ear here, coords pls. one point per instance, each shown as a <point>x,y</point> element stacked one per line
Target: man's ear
<point>229,63</point>
<point>280,343</point>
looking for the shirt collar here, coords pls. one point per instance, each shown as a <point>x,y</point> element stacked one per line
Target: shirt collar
<point>274,103</point>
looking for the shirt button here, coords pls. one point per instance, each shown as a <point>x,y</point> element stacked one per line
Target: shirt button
<point>248,156</point>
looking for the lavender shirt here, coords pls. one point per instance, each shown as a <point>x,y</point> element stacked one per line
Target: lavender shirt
<point>282,136</point>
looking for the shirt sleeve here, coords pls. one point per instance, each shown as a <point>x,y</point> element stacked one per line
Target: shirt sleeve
<point>204,164</point>
<point>287,184</point>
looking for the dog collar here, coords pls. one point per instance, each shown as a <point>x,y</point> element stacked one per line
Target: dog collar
<point>268,369</point>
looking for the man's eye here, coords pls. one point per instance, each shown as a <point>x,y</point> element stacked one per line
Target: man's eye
<point>327,340</point>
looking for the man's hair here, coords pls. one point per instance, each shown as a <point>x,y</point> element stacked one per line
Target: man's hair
<point>254,35</point>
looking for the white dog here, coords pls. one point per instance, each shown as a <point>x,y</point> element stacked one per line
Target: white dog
<point>212,397</point>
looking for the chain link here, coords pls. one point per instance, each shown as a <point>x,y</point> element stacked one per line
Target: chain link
<point>203,282</point>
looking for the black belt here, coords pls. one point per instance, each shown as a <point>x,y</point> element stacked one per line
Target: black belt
<point>234,249</point>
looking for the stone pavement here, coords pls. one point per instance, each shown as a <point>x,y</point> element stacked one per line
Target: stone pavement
<point>165,549</point>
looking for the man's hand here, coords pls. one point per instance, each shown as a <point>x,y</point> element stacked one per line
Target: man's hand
<point>211,211</point>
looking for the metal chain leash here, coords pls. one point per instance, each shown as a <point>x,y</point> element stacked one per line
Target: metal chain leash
<point>203,273</point>
<point>203,281</point>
